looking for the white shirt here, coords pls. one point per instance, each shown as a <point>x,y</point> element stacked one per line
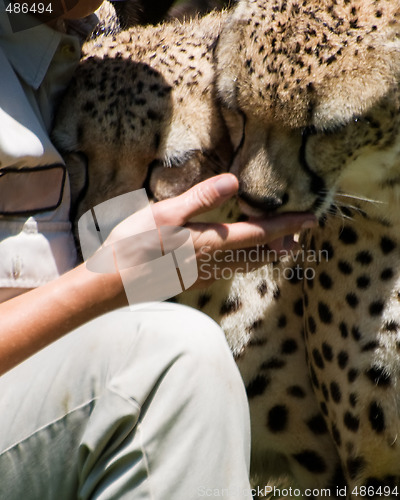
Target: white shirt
<point>35,246</point>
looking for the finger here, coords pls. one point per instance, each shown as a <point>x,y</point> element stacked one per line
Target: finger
<point>201,198</point>
<point>251,234</point>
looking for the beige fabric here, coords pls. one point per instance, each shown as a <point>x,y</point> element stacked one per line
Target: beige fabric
<point>36,65</point>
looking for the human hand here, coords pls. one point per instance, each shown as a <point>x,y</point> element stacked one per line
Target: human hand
<point>217,244</point>
<point>214,240</point>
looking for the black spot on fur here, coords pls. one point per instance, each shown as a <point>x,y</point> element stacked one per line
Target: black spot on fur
<point>311,461</point>
<point>298,307</point>
<point>343,359</point>
<point>325,392</point>
<point>312,327</point>
<point>348,236</point>
<point>230,305</point>
<point>325,281</point>
<point>277,293</point>
<point>370,346</point>
<point>376,417</point>
<point>344,332</point>
<point>257,386</point>
<point>324,409</point>
<point>327,248</point>
<point>363,282</point>
<point>255,325</point>
<point>289,346</point>
<point>378,376</point>
<point>327,351</point>
<point>352,300</point>
<point>262,288</point>
<point>203,300</point>
<point>318,359</point>
<point>317,425</point>
<point>294,276</point>
<point>364,258</point>
<point>387,245</point>
<point>325,314</point>
<point>351,422</point>
<point>353,400</point>
<point>282,321</point>
<point>335,392</point>
<point>352,375</point>
<point>387,274</point>
<point>376,308</point>
<point>344,267</point>
<point>391,326</point>
<point>273,364</point>
<point>355,333</point>
<point>277,418</point>
<point>355,466</point>
<point>296,391</point>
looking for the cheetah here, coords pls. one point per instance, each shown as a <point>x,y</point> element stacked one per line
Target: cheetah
<point>318,85</point>
<point>300,101</point>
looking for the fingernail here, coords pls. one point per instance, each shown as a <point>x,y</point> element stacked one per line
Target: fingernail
<point>309,224</point>
<point>225,185</point>
<point>289,243</point>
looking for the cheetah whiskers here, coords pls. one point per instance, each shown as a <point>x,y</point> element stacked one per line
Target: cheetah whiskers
<point>358,198</point>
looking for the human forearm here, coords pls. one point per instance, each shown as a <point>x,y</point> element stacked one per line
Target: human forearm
<point>35,319</point>
<point>41,316</point>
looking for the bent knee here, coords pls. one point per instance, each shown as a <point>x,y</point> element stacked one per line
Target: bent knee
<point>196,334</point>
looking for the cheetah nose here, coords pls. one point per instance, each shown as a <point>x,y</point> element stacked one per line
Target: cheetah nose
<point>267,204</point>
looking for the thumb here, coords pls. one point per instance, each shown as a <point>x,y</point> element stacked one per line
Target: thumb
<point>201,198</point>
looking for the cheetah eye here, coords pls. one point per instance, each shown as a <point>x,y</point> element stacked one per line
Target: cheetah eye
<point>178,158</point>
<point>363,119</point>
<point>337,128</point>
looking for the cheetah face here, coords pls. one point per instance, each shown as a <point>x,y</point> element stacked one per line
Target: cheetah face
<point>141,111</point>
<point>317,88</point>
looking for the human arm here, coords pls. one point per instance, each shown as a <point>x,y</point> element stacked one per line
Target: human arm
<point>33,320</point>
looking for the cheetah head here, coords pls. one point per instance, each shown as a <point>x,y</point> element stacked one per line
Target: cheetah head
<point>310,92</point>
